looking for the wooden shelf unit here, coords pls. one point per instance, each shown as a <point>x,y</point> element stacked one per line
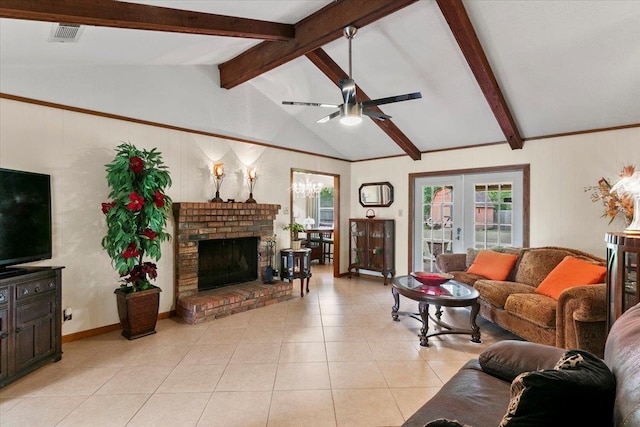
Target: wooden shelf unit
<point>623,270</point>
<point>372,246</point>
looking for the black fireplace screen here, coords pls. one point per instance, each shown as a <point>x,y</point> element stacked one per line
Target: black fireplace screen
<point>225,262</point>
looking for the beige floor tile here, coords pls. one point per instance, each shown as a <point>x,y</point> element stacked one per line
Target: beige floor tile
<point>33,383</point>
<point>266,334</point>
<point>356,375</point>
<point>445,369</point>
<point>410,399</point>
<point>348,351</point>
<point>344,333</point>
<point>250,352</point>
<point>408,373</point>
<point>8,403</point>
<point>372,309</point>
<point>212,354</point>
<point>236,409</point>
<point>302,408</point>
<point>40,411</point>
<point>248,377</point>
<point>302,352</point>
<point>78,381</point>
<point>302,376</point>
<point>105,411</point>
<point>157,355</point>
<point>178,334</point>
<point>136,379</point>
<point>192,378</point>
<point>340,320</point>
<point>303,334</point>
<point>394,350</point>
<point>366,407</point>
<point>301,319</point>
<point>222,335</point>
<point>441,349</point>
<point>171,410</point>
<point>342,309</point>
<point>388,330</point>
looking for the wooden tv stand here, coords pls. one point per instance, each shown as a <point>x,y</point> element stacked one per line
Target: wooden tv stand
<point>30,320</point>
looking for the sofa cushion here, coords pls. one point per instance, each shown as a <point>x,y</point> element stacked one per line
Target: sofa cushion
<point>537,309</point>
<point>535,264</point>
<point>509,358</point>
<point>569,273</point>
<point>493,265</point>
<point>496,292</point>
<point>579,390</point>
<point>464,277</point>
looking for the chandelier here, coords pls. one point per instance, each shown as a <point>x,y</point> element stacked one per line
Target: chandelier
<point>307,189</point>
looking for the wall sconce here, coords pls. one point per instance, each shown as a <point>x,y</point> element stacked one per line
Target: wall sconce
<point>218,173</point>
<point>251,180</point>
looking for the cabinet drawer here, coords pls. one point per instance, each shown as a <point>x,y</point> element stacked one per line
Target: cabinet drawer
<point>4,295</point>
<point>37,287</point>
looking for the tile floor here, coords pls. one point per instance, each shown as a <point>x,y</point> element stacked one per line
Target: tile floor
<point>332,358</point>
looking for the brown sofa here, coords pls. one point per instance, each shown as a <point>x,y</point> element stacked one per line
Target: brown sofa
<point>475,396</point>
<point>577,319</point>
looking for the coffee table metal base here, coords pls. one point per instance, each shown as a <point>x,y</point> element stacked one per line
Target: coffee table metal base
<point>445,328</point>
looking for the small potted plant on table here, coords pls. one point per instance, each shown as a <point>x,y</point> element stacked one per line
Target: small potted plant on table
<point>136,218</point>
<point>294,228</point>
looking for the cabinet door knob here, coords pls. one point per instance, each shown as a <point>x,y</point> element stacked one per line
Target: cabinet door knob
<point>18,330</point>
<point>4,335</point>
<point>51,285</point>
<point>2,298</point>
<point>25,291</point>
<point>36,289</point>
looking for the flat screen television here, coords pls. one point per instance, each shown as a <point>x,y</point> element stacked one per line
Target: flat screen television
<point>25,217</point>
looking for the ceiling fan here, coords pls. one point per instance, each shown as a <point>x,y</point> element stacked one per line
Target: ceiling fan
<point>350,111</point>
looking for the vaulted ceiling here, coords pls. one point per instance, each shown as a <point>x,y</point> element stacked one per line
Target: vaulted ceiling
<point>489,71</point>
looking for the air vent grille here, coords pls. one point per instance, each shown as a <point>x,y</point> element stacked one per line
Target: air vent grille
<point>65,33</point>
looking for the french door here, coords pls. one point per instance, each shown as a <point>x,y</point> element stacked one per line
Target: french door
<point>456,212</point>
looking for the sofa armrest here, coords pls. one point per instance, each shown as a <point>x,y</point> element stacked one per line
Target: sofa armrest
<point>451,262</point>
<point>581,318</point>
<point>508,359</point>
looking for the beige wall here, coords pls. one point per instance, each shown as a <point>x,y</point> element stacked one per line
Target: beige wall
<point>73,148</point>
<point>561,213</point>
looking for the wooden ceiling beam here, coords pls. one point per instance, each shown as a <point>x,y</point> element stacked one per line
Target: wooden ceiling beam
<point>109,13</point>
<point>332,70</point>
<point>462,29</point>
<point>316,30</point>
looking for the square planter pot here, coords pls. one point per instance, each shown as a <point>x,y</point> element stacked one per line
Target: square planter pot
<point>138,312</point>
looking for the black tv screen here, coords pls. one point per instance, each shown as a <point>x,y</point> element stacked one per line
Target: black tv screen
<point>25,217</point>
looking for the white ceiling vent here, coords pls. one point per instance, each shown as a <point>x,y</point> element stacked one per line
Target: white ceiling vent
<point>65,33</point>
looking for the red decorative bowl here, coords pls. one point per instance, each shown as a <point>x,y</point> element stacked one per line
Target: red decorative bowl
<point>431,279</point>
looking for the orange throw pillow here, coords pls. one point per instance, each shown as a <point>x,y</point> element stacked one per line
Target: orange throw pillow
<point>493,265</point>
<point>569,273</point>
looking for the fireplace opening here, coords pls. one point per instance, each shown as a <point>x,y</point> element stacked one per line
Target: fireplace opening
<point>224,262</point>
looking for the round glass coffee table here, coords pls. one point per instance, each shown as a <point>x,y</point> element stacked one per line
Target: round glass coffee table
<point>449,294</point>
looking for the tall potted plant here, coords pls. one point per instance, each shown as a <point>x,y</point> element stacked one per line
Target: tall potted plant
<point>136,218</point>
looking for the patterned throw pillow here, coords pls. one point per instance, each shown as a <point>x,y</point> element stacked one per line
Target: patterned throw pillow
<point>579,390</point>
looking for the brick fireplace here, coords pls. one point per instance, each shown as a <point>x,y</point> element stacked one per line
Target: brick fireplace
<point>204,222</point>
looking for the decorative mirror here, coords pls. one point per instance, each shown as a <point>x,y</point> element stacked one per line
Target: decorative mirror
<point>376,194</point>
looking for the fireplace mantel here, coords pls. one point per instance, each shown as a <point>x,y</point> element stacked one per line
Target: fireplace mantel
<point>195,222</point>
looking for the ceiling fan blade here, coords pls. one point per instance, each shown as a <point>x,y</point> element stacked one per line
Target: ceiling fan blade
<point>376,115</point>
<point>329,117</point>
<point>348,87</point>
<point>310,104</point>
<point>391,99</point>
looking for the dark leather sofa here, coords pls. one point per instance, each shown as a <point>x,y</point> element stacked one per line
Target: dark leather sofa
<point>477,398</point>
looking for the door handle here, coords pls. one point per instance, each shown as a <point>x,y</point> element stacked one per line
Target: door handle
<point>4,335</point>
<point>458,230</point>
<point>18,330</point>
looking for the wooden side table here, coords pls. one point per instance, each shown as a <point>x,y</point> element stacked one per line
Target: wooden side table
<point>623,292</point>
<point>296,264</point>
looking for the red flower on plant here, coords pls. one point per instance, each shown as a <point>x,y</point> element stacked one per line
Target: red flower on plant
<point>158,199</point>
<point>131,251</point>
<point>149,233</point>
<point>136,164</point>
<point>136,202</point>
<point>106,207</point>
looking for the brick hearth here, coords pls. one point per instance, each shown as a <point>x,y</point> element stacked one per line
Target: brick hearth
<point>196,222</point>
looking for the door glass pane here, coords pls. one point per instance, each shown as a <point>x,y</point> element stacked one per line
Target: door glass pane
<point>493,219</point>
<point>437,223</point>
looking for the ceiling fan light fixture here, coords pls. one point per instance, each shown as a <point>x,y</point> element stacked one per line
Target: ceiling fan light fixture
<point>350,120</point>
